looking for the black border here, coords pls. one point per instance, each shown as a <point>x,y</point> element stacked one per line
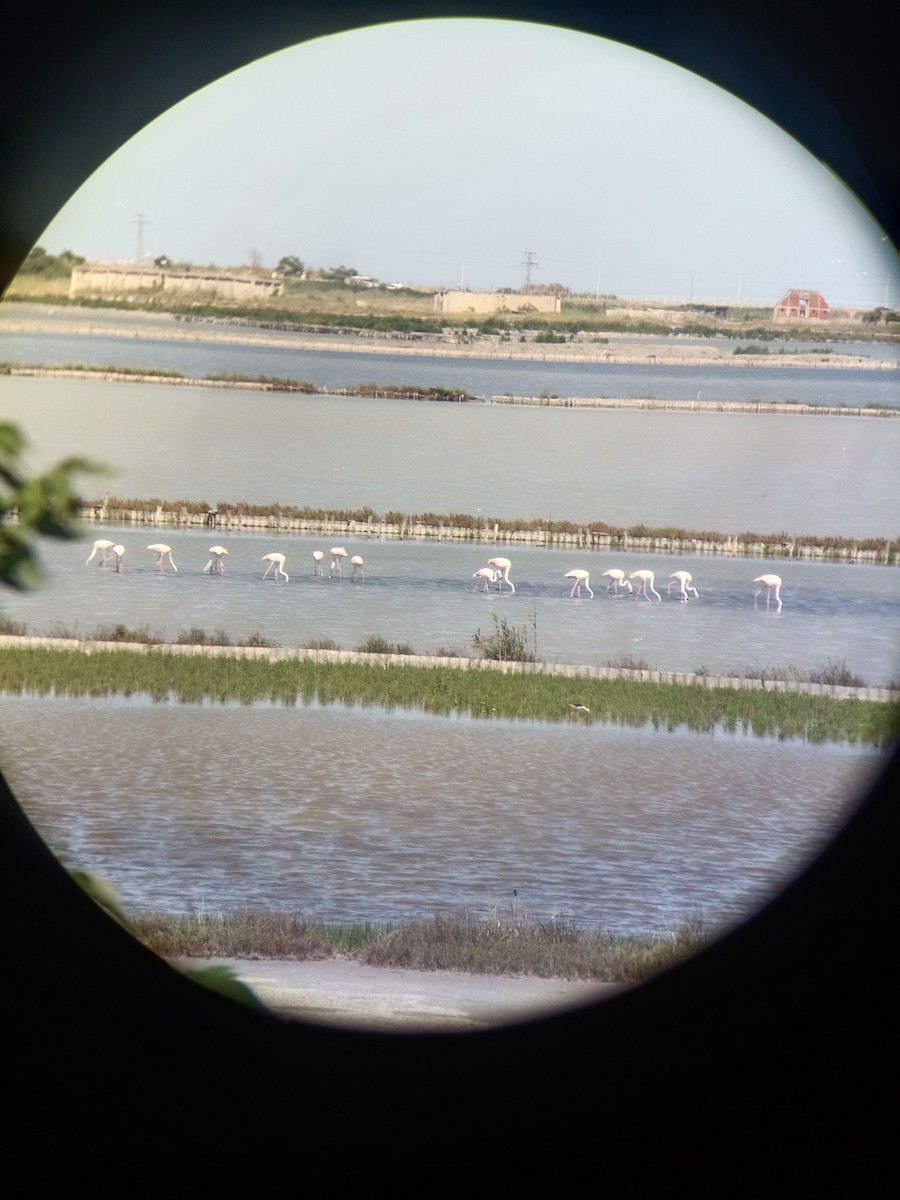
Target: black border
<point>763,1063</point>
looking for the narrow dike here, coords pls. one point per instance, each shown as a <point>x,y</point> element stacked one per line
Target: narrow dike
<point>235,518</point>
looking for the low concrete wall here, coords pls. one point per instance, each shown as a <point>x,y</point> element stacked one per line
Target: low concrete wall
<point>297,654</point>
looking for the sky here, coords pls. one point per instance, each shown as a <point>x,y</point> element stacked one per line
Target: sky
<point>484,154</point>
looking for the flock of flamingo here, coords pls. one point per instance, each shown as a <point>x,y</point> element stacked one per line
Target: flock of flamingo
<point>110,552</point>
<point>496,572</point>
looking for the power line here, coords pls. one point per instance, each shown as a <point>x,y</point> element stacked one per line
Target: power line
<point>141,220</point>
<point>529,263</point>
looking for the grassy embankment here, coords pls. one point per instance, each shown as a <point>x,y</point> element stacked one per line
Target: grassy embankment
<point>444,690</point>
<point>505,944</point>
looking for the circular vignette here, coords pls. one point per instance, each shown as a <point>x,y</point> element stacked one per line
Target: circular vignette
<point>765,1036</point>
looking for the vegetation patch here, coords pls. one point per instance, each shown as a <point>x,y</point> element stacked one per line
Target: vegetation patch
<point>481,693</point>
<point>597,532</point>
<point>376,644</point>
<point>831,671</point>
<point>557,949</point>
<point>508,643</point>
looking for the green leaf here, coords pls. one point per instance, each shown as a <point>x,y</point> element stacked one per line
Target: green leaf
<point>223,980</point>
<point>102,892</point>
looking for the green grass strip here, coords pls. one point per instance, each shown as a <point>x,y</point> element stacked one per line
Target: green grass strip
<point>445,690</point>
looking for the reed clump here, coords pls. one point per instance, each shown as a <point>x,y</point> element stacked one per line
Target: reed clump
<point>121,633</point>
<point>508,643</point>
<point>376,644</point>
<point>199,637</point>
<point>831,671</point>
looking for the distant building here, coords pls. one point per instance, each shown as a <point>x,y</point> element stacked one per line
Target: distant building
<point>121,280</point>
<point>797,305</point>
<point>492,302</point>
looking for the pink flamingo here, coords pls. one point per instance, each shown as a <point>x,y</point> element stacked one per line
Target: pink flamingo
<point>162,551</point>
<point>772,588</point>
<point>103,547</point>
<point>503,565</point>
<point>216,566</point>
<point>618,580</point>
<point>683,579</point>
<point>646,578</point>
<point>118,553</point>
<point>357,562</point>
<point>277,561</point>
<point>580,577</point>
<point>337,553</point>
<point>318,555</point>
<point>488,574</point>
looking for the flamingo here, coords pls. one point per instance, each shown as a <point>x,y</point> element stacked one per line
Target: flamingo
<point>337,553</point>
<point>118,552</point>
<point>503,565</point>
<point>318,555</point>
<point>216,566</point>
<point>488,574</point>
<point>161,550</point>
<point>772,588</point>
<point>103,547</point>
<point>276,561</point>
<point>357,561</point>
<point>683,579</point>
<point>618,579</point>
<point>646,578</point>
<point>580,577</point>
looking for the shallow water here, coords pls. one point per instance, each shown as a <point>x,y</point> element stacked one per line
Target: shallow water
<point>356,814</point>
<point>729,472</point>
<point>423,593</point>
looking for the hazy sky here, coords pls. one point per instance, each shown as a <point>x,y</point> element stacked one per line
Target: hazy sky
<point>449,152</point>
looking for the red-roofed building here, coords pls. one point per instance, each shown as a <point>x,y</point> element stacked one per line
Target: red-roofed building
<point>797,305</point>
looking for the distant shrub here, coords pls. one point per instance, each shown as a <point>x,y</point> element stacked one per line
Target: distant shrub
<point>121,633</point>
<point>257,639</point>
<point>375,644</point>
<point>836,672</point>
<point>199,637</point>
<point>508,643</point>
